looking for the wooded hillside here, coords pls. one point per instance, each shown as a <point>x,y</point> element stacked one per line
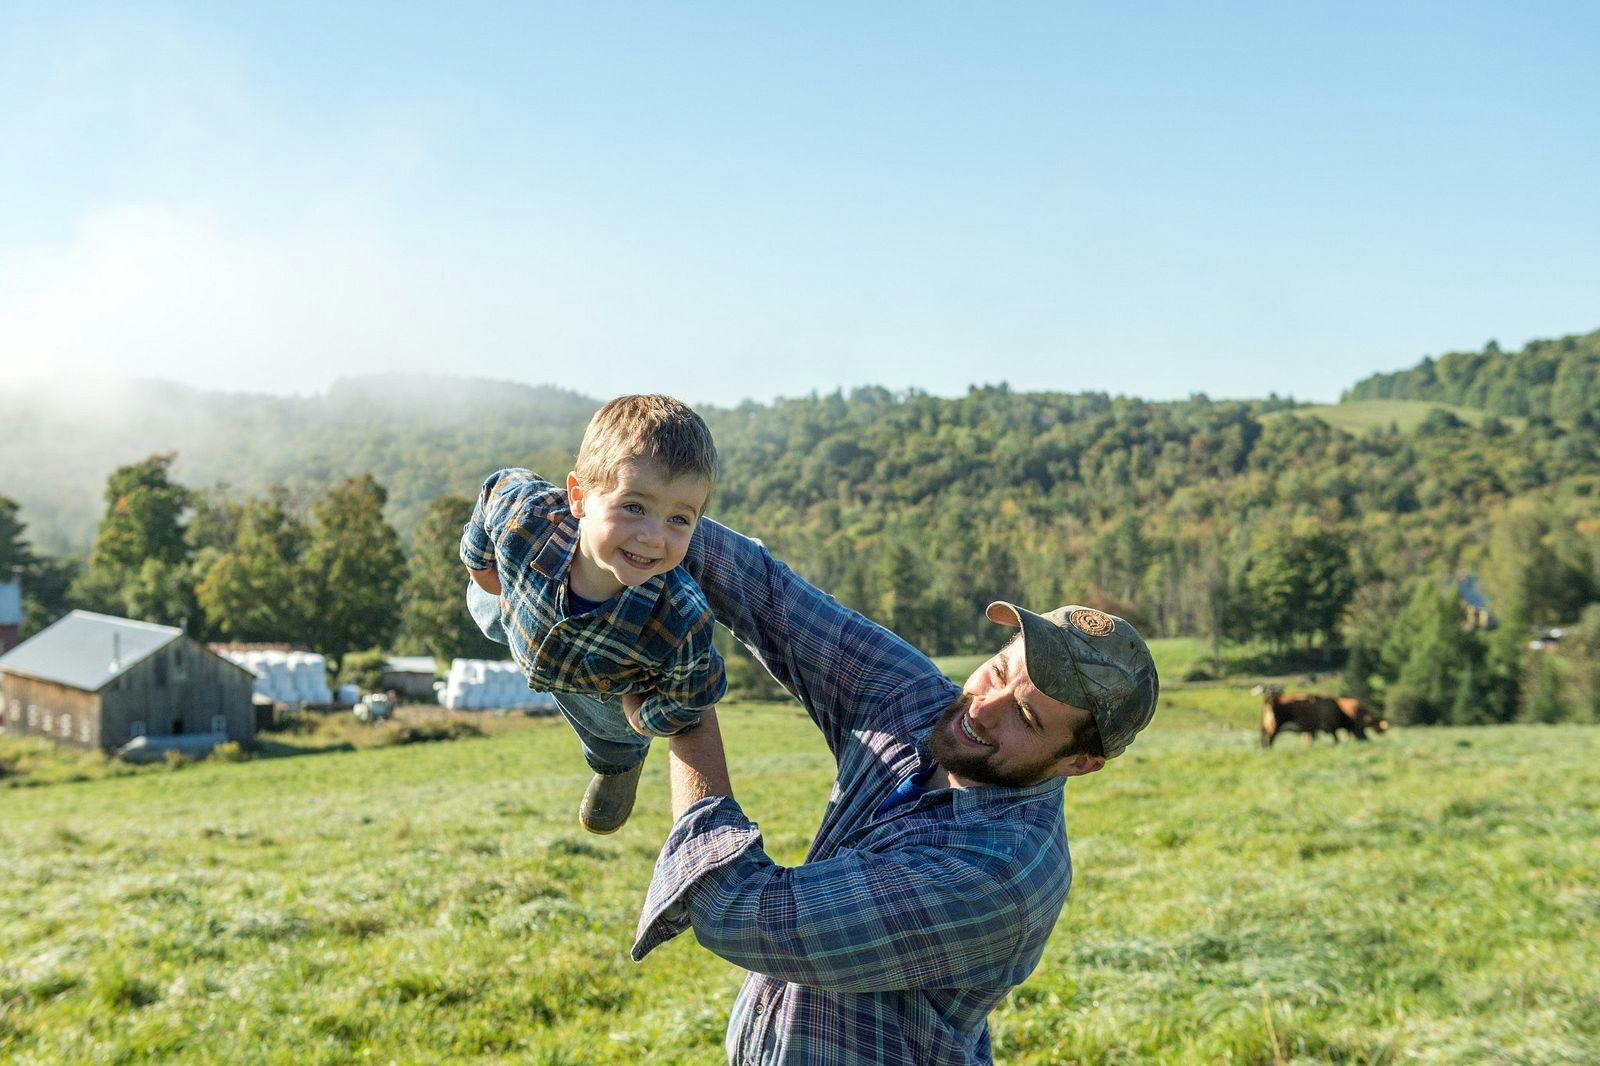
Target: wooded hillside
<point>1549,378</point>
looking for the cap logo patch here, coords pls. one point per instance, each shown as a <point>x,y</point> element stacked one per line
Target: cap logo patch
<point>1095,623</point>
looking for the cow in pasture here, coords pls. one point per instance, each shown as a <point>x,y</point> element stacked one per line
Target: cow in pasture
<point>1311,714</point>
<point>1362,715</point>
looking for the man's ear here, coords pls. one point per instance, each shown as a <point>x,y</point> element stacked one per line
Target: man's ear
<point>1078,765</point>
<point>575,494</point>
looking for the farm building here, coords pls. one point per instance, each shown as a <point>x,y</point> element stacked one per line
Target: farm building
<point>10,614</point>
<point>412,676</point>
<point>95,681</point>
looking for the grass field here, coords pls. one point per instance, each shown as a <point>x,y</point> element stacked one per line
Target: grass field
<point>1358,416</point>
<point>1431,896</point>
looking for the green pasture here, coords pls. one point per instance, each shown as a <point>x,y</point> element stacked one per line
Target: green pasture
<point>1431,896</point>
<point>1358,416</point>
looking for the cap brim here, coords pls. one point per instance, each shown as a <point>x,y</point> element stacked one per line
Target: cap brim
<point>1047,649</point>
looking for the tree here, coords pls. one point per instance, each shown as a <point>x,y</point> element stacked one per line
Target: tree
<point>1425,657</point>
<point>143,519</point>
<point>161,592</point>
<point>1300,584</point>
<point>255,590</point>
<point>354,569</point>
<point>15,555</point>
<point>45,595</point>
<point>1581,649</point>
<point>1529,584</point>
<point>902,580</point>
<point>1546,701</point>
<point>434,616</point>
<point>139,564</point>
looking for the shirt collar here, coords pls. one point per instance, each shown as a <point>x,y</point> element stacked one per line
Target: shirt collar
<point>554,559</point>
<point>985,801</point>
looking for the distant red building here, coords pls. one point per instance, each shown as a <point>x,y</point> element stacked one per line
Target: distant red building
<point>10,614</point>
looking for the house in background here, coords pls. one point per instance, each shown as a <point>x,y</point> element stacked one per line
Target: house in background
<point>96,681</point>
<point>1474,604</point>
<point>412,676</point>
<point>10,614</point>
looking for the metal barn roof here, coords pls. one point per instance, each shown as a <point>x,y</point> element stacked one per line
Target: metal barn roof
<point>10,603</point>
<point>87,650</point>
<point>410,664</point>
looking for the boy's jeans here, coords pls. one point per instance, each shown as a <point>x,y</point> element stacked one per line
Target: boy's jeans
<point>610,746</point>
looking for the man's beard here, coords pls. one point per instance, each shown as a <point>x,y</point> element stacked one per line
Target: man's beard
<point>971,763</point>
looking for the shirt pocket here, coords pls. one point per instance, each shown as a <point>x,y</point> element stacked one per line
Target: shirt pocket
<point>610,678</point>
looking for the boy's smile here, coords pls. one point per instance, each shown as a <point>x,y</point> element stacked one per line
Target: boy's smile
<point>638,528</point>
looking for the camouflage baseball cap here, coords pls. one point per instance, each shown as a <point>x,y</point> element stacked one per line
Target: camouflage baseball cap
<point>1089,659</point>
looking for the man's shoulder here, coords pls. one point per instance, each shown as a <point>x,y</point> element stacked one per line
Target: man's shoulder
<point>682,600</point>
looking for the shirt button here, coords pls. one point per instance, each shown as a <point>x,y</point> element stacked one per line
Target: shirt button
<point>603,684</point>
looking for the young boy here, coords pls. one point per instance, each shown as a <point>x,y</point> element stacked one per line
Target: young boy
<point>584,585</point>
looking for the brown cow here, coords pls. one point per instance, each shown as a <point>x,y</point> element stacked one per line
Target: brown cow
<point>1361,714</point>
<point>1310,714</point>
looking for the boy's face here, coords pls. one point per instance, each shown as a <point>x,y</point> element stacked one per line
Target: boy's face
<point>638,528</point>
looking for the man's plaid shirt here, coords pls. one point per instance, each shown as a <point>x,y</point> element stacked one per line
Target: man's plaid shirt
<point>901,931</point>
<point>653,639</point>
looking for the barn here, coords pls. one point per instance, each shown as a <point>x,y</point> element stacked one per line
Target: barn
<point>411,676</point>
<point>95,681</point>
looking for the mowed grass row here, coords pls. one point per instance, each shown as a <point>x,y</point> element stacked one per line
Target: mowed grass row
<point>1433,895</point>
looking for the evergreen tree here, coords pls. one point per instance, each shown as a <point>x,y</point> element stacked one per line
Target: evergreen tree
<point>1580,649</point>
<point>1427,652</point>
<point>1546,702</point>
<point>902,580</point>
<point>354,569</point>
<point>1359,668</point>
<point>15,555</point>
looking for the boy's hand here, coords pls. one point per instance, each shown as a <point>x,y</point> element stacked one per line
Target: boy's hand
<point>487,579</point>
<point>632,703</point>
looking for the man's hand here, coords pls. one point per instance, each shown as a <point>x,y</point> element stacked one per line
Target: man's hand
<point>632,703</point>
<point>487,579</point>
<point>697,766</point>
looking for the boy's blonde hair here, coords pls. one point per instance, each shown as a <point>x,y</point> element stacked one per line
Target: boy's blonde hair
<point>661,429</point>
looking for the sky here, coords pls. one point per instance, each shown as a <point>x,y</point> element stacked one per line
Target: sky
<point>730,202</point>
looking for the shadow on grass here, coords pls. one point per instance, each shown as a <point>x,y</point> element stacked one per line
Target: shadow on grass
<point>277,749</point>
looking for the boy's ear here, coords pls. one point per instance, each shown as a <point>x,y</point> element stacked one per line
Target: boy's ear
<point>575,494</point>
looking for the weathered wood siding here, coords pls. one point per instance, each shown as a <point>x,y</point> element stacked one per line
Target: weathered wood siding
<point>179,689</point>
<point>44,708</point>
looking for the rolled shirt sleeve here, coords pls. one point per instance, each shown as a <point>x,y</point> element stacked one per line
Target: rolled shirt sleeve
<point>498,497</point>
<point>691,682</point>
<point>915,917</point>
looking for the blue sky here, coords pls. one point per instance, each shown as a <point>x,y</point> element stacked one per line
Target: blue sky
<point>726,203</point>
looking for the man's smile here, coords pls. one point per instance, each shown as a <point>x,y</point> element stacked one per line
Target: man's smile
<point>964,724</point>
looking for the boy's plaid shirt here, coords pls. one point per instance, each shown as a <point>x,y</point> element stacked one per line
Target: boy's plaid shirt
<point>902,930</point>
<point>653,639</point>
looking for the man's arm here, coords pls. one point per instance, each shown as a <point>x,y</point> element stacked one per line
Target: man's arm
<point>839,664</point>
<point>925,916</point>
<point>697,767</point>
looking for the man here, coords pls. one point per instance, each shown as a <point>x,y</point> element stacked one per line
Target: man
<point>941,864</point>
